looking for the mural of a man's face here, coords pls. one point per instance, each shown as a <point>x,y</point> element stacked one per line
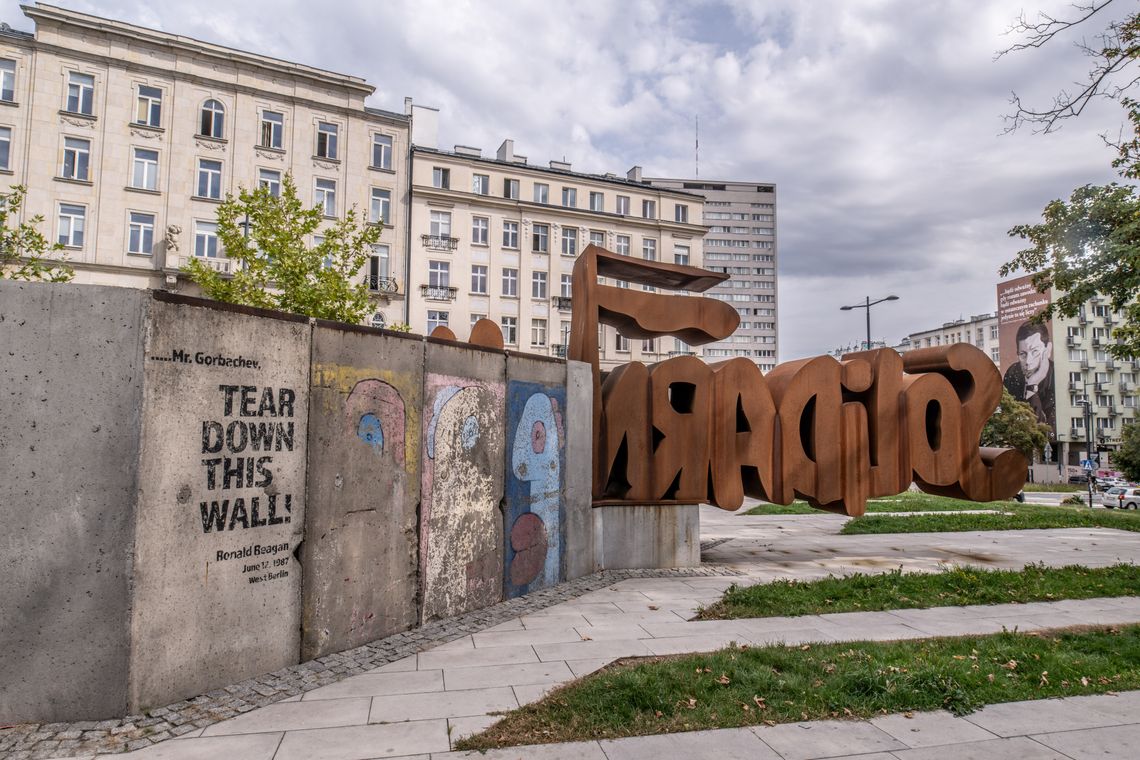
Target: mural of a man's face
<point>1033,352</point>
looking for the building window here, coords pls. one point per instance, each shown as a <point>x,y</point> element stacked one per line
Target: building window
<point>649,209</point>
<point>76,159</point>
<point>437,319</point>
<point>7,80</point>
<point>510,327</point>
<point>5,148</point>
<point>541,193</point>
<point>381,152</point>
<point>511,189</point>
<point>144,175</point>
<point>540,239</point>
<point>209,179</point>
<point>538,332</point>
<point>649,249</point>
<point>439,274</point>
<point>480,226</point>
<point>440,225</point>
<point>623,205</point>
<point>379,265</point>
<point>510,234</point>
<point>566,285</point>
<point>681,213</point>
<point>441,178</point>
<point>80,93</point>
<point>538,285</point>
<point>326,140</point>
<point>649,346</point>
<point>206,240</point>
<point>621,343</point>
<point>511,282</point>
<point>381,210</point>
<point>681,254</point>
<point>479,278</point>
<point>148,108</point>
<point>324,196</point>
<point>140,234</point>
<point>272,129</point>
<point>213,119</point>
<point>270,179</point>
<point>569,241</point>
<point>480,184</point>
<point>622,245</point>
<point>597,202</point>
<point>570,197</point>
<point>598,238</point>
<point>72,223</point>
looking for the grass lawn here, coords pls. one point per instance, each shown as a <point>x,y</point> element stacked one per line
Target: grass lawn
<point>908,501</point>
<point>1022,516</point>
<point>1055,488</point>
<point>897,590</point>
<point>749,686</point>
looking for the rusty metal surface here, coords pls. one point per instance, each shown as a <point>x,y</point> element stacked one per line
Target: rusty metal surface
<point>833,432</point>
<point>487,334</point>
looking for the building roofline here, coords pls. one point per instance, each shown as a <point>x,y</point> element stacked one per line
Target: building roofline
<point>613,180</point>
<point>8,31</point>
<point>51,13</point>
<point>387,114</point>
<point>706,180</point>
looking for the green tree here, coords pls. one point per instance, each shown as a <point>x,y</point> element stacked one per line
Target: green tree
<point>23,248</point>
<point>1091,244</point>
<point>274,267</point>
<point>1014,425</point>
<point>1127,457</point>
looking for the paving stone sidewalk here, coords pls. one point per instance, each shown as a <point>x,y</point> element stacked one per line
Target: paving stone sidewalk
<point>385,701</point>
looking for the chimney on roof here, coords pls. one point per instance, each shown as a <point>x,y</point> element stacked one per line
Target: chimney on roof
<point>467,150</point>
<point>561,165</point>
<point>506,150</point>
<point>408,106</point>
<point>634,174</point>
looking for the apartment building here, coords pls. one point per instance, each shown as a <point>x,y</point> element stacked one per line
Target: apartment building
<point>128,138</point>
<point>1084,373</point>
<point>497,237</point>
<point>981,330</point>
<point>741,242</point>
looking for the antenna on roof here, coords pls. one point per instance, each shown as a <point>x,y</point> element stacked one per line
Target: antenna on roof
<point>697,146</point>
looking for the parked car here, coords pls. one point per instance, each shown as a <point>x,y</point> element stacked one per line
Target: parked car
<point>1076,479</point>
<point>1130,499</point>
<point>1110,497</point>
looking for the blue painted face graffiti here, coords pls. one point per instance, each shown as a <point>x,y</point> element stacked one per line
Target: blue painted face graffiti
<point>470,435</point>
<point>371,432</point>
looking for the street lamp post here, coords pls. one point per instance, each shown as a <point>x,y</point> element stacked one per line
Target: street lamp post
<point>1088,435</point>
<point>867,304</point>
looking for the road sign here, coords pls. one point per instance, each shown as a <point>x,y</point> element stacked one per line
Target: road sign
<point>1087,465</point>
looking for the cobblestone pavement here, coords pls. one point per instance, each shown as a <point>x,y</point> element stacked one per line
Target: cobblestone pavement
<point>83,739</point>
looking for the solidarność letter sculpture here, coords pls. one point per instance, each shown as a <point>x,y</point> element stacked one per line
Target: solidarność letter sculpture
<point>833,432</point>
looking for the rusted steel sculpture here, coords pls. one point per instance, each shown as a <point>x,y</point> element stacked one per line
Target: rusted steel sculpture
<point>834,432</point>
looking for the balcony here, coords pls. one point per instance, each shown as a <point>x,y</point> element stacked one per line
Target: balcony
<point>1101,387</point>
<point>377,284</point>
<point>1084,363</point>
<point>1073,341</point>
<point>1127,387</point>
<point>1075,386</point>
<point>1097,341</point>
<point>439,242</point>
<point>1113,410</point>
<point>1110,364</point>
<point>438,292</point>
<point>1077,434</point>
<point>219,265</point>
<point>559,350</point>
<point>562,303</point>
<point>682,353</point>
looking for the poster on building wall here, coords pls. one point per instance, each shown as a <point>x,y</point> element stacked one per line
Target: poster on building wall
<point>1026,348</point>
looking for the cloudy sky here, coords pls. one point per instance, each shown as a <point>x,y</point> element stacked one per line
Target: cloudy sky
<point>880,121</point>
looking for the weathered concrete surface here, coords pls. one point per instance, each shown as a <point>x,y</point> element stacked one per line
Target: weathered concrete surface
<point>647,536</point>
<point>461,522</point>
<point>360,549</point>
<point>220,500</point>
<point>71,373</point>
<point>534,540</point>
<point>578,531</point>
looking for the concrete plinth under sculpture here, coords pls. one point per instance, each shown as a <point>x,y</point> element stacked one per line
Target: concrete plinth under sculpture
<point>658,536</point>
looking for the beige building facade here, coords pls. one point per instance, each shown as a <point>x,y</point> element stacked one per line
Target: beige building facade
<point>980,330</point>
<point>128,138</point>
<point>497,237</point>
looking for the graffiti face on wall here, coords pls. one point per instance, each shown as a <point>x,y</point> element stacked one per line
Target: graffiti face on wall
<point>375,413</point>
<point>533,557</point>
<point>460,521</point>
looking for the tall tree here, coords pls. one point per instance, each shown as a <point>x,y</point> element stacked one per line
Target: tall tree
<point>1014,425</point>
<point>1090,244</point>
<point>24,251</point>
<point>275,267</point>
<point>1127,457</point>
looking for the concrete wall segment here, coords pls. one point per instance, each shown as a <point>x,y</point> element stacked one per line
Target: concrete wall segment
<point>71,373</point>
